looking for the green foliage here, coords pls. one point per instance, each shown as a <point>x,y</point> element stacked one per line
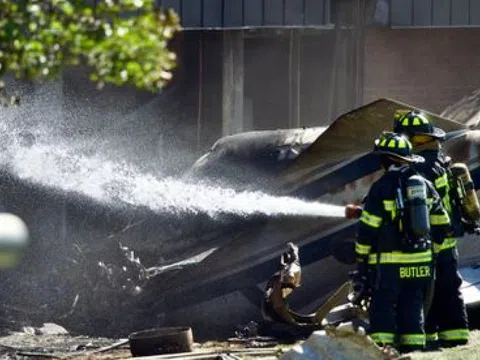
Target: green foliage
<point>122,41</point>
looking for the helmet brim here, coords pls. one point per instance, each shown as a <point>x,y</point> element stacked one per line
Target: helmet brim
<point>414,159</point>
<point>437,134</point>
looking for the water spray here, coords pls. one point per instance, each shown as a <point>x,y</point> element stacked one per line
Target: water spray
<point>45,156</point>
<point>118,184</point>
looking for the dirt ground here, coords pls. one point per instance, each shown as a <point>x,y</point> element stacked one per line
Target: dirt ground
<point>470,351</point>
<point>230,351</point>
<point>31,345</point>
<point>28,345</point>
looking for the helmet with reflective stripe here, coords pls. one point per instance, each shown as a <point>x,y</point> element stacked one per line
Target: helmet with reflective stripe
<point>396,146</point>
<point>416,123</point>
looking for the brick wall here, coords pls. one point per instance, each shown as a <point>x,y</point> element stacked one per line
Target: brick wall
<point>427,68</point>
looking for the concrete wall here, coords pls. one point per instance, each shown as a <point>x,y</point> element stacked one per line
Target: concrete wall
<point>290,79</point>
<point>429,68</point>
<point>297,78</point>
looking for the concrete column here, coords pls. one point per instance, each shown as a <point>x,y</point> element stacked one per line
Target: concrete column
<point>360,50</point>
<point>294,79</point>
<point>233,76</point>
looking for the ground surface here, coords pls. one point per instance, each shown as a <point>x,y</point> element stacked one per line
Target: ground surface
<point>31,346</point>
<point>470,351</point>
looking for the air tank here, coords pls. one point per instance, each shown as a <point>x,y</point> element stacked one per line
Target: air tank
<point>417,208</point>
<point>465,189</point>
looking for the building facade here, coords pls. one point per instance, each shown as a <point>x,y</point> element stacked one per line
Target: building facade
<point>268,64</point>
<point>274,64</point>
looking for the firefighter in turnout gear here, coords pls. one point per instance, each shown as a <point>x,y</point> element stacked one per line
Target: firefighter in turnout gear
<point>446,324</point>
<point>401,216</point>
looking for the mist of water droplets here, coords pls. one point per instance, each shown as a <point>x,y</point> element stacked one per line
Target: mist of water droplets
<point>52,154</point>
<point>116,183</point>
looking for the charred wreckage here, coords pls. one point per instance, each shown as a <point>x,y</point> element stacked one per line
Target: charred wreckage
<point>109,271</point>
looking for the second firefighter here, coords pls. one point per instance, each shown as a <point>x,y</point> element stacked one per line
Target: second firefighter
<point>402,215</point>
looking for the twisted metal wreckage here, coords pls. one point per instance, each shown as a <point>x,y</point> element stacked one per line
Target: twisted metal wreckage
<point>83,271</point>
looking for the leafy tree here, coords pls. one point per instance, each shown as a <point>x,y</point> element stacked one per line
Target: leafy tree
<point>122,41</point>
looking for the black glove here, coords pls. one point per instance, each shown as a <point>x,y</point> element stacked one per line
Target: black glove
<point>471,227</point>
<point>291,255</point>
<point>359,286</point>
<point>357,275</point>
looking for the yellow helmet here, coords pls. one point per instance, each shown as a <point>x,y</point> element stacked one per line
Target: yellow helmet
<point>396,146</point>
<point>416,123</point>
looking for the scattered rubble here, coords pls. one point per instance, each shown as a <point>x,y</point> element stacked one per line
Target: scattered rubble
<point>52,341</point>
<point>342,342</point>
<point>349,344</point>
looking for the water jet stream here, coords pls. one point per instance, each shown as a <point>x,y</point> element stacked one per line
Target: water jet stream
<point>118,184</point>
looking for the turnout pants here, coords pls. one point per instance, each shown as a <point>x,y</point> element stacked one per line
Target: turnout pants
<point>447,319</point>
<point>396,310</point>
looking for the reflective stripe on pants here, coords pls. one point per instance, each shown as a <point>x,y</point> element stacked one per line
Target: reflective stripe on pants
<point>456,334</point>
<point>383,338</point>
<point>412,339</point>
